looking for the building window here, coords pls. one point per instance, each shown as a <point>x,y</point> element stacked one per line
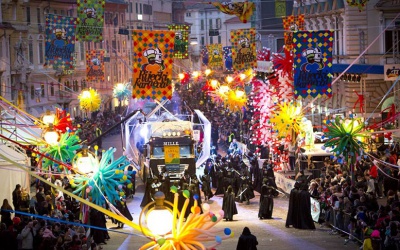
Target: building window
<point>140,9</point>
<point>83,84</point>
<point>211,40</point>
<point>202,40</point>
<point>38,17</point>
<point>189,14</point>
<point>42,89</point>
<point>147,9</point>
<point>130,7</point>
<point>137,10</point>
<point>52,89</point>
<point>30,49</point>
<point>28,15</point>
<point>218,23</point>
<point>32,92</point>
<point>67,86</point>
<point>219,39</point>
<point>389,40</point>
<point>202,24</point>
<point>1,47</point>
<point>211,23</point>
<point>75,85</point>
<point>40,49</point>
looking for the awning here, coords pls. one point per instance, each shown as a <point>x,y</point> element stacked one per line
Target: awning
<point>358,69</point>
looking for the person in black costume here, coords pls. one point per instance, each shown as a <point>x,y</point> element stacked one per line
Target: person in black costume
<point>268,172</point>
<point>98,219</point>
<point>123,209</point>
<point>220,181</point>
<point>292,214</point>
<point>255,172</point>
<point>247,241</point>
<point>206,185</point>
<point>229,177</point>
<point>165,183</point>
<point>266,200</point>
<point>246,192</point>
<point>228,204</point>
<point>305,220</point>
<point>147,193</point>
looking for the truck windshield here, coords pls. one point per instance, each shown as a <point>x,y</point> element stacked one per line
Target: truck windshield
<point>184,152</point>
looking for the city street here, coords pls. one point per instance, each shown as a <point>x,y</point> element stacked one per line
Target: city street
<point>271,234</point>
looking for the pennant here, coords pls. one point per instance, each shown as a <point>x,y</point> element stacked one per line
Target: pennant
<point>243,10</point>
<point>312,63</point>
<point>204,56</point>
<point>95,65</point>
<point>290,25</point>
<point>244,54</point>
<point>280,8</point>
<point>181,40</point>
<point>228,58</point>
<point>90,20</point>
<point>215,56</point>
<point>153,53</point>
<point>60,42</point>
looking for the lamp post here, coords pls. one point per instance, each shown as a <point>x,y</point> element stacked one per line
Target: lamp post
<point>48,118</point>
<point>50,135</point>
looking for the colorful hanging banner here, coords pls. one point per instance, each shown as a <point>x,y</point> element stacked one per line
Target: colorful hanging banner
<point>290,25</point>
<point>181,40</point>
<point>215,56</point>
<point>60,42</point>
<point>90,20</point>
<point>243,10</point>
<point>244,53</point>
<point>204,56</point>
<point>95,65</point>
<point>228,58</point>
<point>153,53</point>
<point>280,8</point>
<point>312,63</point>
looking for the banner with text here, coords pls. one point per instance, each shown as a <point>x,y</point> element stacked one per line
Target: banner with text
<point>90,20</point>
<point>95,65</point>
<point>244,53</point>
<point>290,25</point>
<point>312,63</point>
<point>181,40</point>
<point>153,53</point>
<point>60,42</point>
<point>172,155</point>
<point>215,61</point>
<point>228,58</point>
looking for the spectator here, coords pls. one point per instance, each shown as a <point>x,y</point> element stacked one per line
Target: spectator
<point>27,235</point>
<point>16,196</point>
<point>247,241</point>
<point>6,215</point>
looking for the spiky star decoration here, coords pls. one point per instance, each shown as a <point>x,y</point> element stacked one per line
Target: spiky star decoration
<point>63,151</point>
<point>108,177</point>
<point>89,100</point>
<point>122,91</point>
<point>343,137</point>
<point>286,119</point>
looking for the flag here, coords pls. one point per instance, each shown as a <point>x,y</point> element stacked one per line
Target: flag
<point>290,25</point>
<point>215,56</point>
<point>228,58</point>
<point>243,10</point>
<point>280,8</point>
<point>95,65</point>
<point>181,40</point>
<point>153,53</point>
<point>244,55</point>
<point>90,20</point>
<point>60,42</point>
<point>312,63</point>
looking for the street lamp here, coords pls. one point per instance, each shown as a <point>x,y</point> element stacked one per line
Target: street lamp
<point>48,118</point>
<point>85,162</point>
<point>159,219</point>
<point>50,135</point>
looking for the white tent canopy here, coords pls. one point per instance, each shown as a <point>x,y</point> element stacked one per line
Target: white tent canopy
<point>11,175</point>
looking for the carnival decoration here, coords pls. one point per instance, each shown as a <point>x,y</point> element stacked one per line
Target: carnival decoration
<point>280,8</point>
<point>90,20</point>
<point>215,55</point>
<point>95,68</point>
<point>313,63</point>
<point>204,55</point>
<point>89,100</point>
<point>181,40</point>
<point>192,233</point>
<point>122,91</point>
<point>63,122</point>
<point>227,50</point>
<point>290,25</point>
<point>243,10</point>
<point>60,42</point>
<point>360,4</point>
<point>107,179</point>
<point>344,136</point>
<point>152,64</point>
<point>243,49</point>
<point>62,151</point>
<point>286,119</point>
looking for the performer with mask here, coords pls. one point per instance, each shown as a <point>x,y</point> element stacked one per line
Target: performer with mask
<point>228,204</point>
<point>266,200</point>
<point>205,185</point>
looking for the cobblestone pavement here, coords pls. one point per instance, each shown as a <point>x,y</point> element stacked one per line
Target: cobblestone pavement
<point>271,234</point>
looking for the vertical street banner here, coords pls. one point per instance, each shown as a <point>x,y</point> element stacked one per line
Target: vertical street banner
<point>228,58</point>
<point>60,42</point>
<point>95,65</point>
<point>90,20</point>
<point>312,63</point>
<point>244,53</point>
<point>215,55</point>
<point>171,154</point>
<point>290,25</point>
<point>243,10</point>
<point>204,56</point>
<point>181,40</point>
<point>280,8</point>
<point>153,52</point>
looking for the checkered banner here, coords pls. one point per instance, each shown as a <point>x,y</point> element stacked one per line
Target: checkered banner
<point>215,60</point>
<point>60,42</point>
<point>290,25</point>
<point>244,53</point>
<point>228,58</point>
<point>95,65</point>
<point>312,63</point>
<point>181,40</point>
<point>153,52</point>
<point>90,20</point>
